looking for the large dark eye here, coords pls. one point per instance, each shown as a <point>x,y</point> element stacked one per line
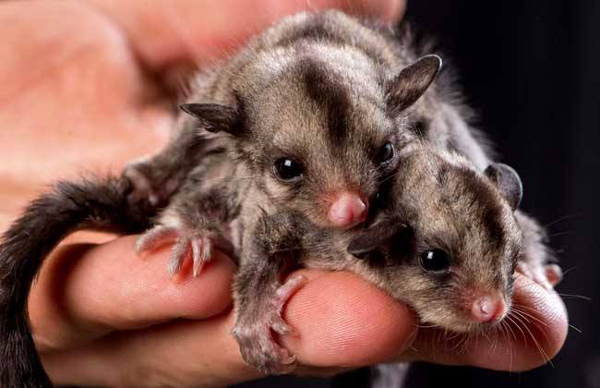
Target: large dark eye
<point>386,153</point>
<point>435,260</point>
<point>287,169</point>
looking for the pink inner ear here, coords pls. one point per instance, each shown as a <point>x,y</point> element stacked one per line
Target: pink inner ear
<point>348,209</point>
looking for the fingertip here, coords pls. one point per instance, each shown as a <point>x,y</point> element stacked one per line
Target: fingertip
<point>341,320</point>
<point>545,315</point>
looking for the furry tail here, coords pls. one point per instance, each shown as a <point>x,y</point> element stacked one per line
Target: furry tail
<point>99,204</point>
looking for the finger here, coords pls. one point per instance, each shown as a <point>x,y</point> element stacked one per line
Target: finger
<point>340,321</point>
<point>166,32</point>
<point>85,291</point>
<point>532,335</point>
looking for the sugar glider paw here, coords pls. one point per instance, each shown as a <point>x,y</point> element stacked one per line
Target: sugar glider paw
<point>196,244</point>
<point>255,338</point>
<point>548,276</point>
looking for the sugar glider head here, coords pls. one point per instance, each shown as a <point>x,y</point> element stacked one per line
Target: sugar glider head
<point>449,242</point>
<point>319,129</point>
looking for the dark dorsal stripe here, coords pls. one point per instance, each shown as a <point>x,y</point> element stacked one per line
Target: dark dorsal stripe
<point>330,95</point>
<point>488,208</point>
<point>327,30</point>
<point>317,30</point>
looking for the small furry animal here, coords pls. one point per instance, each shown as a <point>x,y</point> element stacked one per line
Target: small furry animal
<point>445,241</point>
<point>311,118</point>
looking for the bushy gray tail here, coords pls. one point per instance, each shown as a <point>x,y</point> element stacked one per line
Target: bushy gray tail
<point>99,204</point>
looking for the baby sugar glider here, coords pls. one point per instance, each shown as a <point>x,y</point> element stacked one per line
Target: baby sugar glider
<point>323,70</point>
<point>310,115</point>
<point>446,242</point>
<point>306,99</point>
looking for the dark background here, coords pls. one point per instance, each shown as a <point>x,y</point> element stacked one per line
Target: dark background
<point>531,69</point>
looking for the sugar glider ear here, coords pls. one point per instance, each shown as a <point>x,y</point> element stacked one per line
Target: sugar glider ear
<point>215,117</point>
<point>408,86</point>
<point>508,182</point>
<point>374,238</point>
<point>362,245</point>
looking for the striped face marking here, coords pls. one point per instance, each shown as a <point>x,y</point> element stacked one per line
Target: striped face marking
<point>330,144</point>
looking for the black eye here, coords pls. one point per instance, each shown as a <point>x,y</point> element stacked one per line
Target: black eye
<point>435,260</point>
<point>287,169</point>
<point>386,153</point>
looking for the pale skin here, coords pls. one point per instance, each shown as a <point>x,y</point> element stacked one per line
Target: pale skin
<point>83,88</point>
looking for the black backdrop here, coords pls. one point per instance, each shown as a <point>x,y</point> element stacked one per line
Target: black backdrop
<point>531,68</point>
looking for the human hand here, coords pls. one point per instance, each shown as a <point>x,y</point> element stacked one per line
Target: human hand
<point>110,322</point>
<point>102,316</point>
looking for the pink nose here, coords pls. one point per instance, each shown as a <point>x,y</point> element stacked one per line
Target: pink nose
<point>488,309</point>
<point>347,210</point>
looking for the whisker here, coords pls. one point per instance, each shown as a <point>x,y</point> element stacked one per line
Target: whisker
<point>569,270</point>
<point>510,347</point>
<point>528,315</point>
<point>565,233</point>
<point>517,325</point>
<point>578,214</point>
<point>508,331</point>
<point>535,341</point>
<point>575,296</point>
<point>575,328</point>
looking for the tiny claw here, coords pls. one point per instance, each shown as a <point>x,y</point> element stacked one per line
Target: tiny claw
<point>198,262</point>
<point>281,328</point>
<point>139,246</point>
<point>292,332</point>
<point>207,249</point>
<point>173,268</point>
<point>202,252</point>
<point>286,357</point>
<point>154,238</point>
<point>178,254</point>
<point>290,287</point>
